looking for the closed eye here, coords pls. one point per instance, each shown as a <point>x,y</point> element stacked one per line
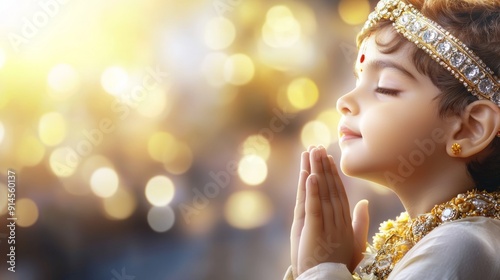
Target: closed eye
<point>387,91</point>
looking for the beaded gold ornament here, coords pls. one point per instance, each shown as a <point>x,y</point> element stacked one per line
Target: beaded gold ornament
<point>397,237</point>
<point>442,46</point>
<point>456,149</point>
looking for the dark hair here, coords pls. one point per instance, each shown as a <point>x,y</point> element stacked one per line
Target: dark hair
<point>477,24</point>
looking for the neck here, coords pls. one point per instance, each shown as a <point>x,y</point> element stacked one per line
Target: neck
<point>420,194</point>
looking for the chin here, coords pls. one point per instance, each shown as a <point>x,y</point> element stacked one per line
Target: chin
<point>362,171</point>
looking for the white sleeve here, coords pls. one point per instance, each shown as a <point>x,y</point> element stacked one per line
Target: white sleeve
<point>323,271</point>
<point>463,249</point>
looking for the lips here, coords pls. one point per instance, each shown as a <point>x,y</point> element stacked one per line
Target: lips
<point>346,134</point>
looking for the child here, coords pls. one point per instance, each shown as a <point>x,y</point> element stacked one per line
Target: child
<point>424,96</point>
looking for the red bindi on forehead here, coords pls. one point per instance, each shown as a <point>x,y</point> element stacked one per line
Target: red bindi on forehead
<point>362,58</point>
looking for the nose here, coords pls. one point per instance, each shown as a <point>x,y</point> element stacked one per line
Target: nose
<point>346,104</point>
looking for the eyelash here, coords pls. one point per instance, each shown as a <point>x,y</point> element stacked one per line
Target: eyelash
<point>387,91</point>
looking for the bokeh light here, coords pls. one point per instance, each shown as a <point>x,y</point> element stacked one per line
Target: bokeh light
<point>104,182</point>
<point>161,219</point>
<point>120,205</point>
<point>219,33</point>
<point>248,209</point>
<point>238,69</point>
<point>257,145</point>
<point>52,128</point>
<point>302,93</point>
<point>315,133</point>
<point>281,29</point>
<point>60,162</point>
<point>30,151</point>
<point>252,169</point>
<point>182,160</point>
<point>115,80</point>
<point>63,81</point>
<point>26,212</point>
<point>162,147</point>
<point>160,190</point>
<point>354,12</point>
<point>331,119</point>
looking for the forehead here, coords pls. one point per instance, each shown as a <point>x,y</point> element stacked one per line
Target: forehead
<point>386,44</point>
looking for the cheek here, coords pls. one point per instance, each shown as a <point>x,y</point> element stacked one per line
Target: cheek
<point>390,133</point>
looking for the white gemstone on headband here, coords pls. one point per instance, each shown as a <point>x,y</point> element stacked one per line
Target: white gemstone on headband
<point>415,27</point>
<point>443,48</point>
<point>405,19</point>
<point>429,36</point>
<point>486,86</point>
<point>471,72</point>
<point>496,97</point>
<point>457,59</point>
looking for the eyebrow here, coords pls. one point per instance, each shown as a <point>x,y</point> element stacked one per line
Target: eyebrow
<point>381,64</point>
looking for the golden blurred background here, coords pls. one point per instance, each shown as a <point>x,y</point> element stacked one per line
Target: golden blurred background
<point>161,139</point>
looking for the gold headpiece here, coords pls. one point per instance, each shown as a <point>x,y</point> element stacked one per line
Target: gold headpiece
<point>443,47</point>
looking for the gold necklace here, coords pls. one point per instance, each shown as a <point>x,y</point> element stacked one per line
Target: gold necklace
<point>397,237</point>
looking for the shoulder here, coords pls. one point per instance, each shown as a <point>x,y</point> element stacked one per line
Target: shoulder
<point>463,249</point>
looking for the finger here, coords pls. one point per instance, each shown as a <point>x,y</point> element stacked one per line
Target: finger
<point>299,211</point>
<point>305,164</point>
<point>339,186</point>
<point>314,212</point>
<point>336,203</point>
<point>316,158</point>
<point>360,226</point>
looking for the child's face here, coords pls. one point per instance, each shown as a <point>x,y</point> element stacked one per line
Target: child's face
<point>392,107</point>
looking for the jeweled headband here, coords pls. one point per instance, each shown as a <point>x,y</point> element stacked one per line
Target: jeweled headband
<point>442,46</point>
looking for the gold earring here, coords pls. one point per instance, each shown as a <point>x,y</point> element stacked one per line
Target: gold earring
<point>456,149</point>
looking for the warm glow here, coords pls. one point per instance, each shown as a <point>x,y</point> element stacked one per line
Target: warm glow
<point>26,212</point>
<point>154,104</point>
<point>248,209</point>
<point>354,12</point>
<point>302,93</point>
<point>63,81</point>
<point>213,68</point>
<point>61,163</point>
<point>160,190</point>
<point>331,119</point>
<point>104,182</point>
<point>162,147</point>
<point>2,132</point>
<point>219,33</point>
<point>238,69</point>
<point>2,58</point>
<point>115,80</point>
<point>3,202</point>
<point>281,29</point>
<point>182,161</point>
<point>120,205</point>
<point>252,170</point>
<point>315,133</point>
<point>52,128</point>
<point>257,145</point>
<point>30,151</point>
<point>161,219</point>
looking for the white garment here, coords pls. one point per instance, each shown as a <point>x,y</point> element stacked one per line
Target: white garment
<point>460,250</point>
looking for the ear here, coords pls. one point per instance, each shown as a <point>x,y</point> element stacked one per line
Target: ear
<point>478,125</point>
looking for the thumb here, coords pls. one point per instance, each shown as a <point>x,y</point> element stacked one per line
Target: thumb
<point>360,225</point>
